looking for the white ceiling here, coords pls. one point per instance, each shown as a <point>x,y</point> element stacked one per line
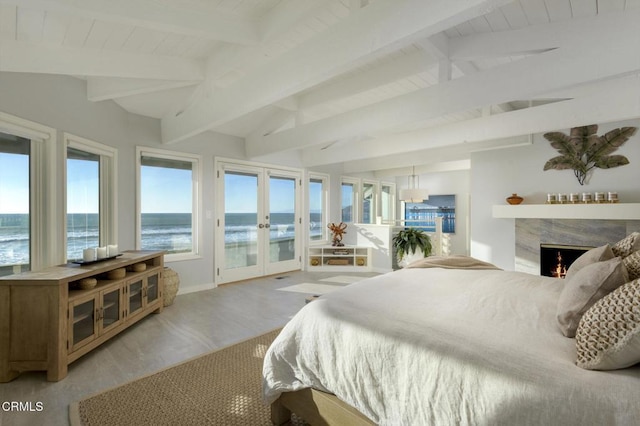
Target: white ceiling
<point>378,85</point>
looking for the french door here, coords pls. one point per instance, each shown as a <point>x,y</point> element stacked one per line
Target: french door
<point>258,222</point>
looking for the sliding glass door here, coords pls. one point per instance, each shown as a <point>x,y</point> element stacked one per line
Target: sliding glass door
<point>260,225</point>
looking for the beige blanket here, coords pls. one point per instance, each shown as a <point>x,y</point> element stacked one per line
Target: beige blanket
<point>451,262</point>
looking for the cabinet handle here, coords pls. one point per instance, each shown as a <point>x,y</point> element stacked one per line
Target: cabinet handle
<point>97,315</point>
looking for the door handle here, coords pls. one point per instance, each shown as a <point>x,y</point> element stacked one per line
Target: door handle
<point>260,226</point>
<point>267,225</point>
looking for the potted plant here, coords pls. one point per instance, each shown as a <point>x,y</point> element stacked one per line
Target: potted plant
<point>411,244</point>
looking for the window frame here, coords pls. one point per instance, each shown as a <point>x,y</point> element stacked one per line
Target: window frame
<point>324,178</point>
<point>392,202</point>
<point>43,204</point>
<point>375,211</point>
<point>357,202</point>
<point>196,197</point>
<point>108,184</point>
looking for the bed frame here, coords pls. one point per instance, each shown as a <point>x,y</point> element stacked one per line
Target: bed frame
<point>316,408</point>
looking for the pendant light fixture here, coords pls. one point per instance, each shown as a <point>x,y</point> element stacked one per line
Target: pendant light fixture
<point>413,194</point>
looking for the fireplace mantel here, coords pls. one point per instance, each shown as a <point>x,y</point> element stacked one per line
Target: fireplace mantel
<point>617,211</point>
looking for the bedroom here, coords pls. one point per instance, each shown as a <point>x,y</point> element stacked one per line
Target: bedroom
<point>480,179</point>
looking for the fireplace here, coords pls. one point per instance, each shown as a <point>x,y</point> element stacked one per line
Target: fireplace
<point>555,259</point>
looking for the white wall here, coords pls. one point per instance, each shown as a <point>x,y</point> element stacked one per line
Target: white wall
<point>497,174</point>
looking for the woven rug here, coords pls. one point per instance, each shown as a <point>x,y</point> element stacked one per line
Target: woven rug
<point>220,388</point>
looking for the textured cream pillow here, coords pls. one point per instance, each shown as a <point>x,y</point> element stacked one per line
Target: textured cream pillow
<point>585,288</point>
<point>594,255</point>
<point>632,263</point>
<point>627,245</point>
<point>608,337</point>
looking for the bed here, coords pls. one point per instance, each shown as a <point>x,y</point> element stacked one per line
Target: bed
<point>437,346</point>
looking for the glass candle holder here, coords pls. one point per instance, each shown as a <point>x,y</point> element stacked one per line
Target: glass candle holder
<point>552,199</point>
<point>612,197</point>
<point>586,197</point>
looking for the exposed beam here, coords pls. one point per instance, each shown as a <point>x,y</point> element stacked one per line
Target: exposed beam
<point>203,22</point>
<point>224,63</point>
<point>542,73</point>
<point>18,56</point>
<point>540,38</point>
<point>102,88</point>
<point>405,66</point>
<point>424,167</point>
<point>459,153</point>
<point>381,25</point>
<point>616,100</point>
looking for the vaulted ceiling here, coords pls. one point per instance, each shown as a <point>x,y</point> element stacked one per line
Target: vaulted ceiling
<point>375,84</point>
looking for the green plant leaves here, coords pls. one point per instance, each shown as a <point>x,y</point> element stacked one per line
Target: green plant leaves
<point>409,240</point>
<point>583,150</point>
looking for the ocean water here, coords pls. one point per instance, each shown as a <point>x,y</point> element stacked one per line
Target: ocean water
<point>160,231</point>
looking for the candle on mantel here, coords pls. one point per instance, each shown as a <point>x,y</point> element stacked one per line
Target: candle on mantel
<point>112,250</point>
<point>102,252</point>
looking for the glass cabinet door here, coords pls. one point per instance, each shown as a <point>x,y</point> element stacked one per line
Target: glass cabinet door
<point>135,297</point>
<point>82,318</point>
<point>110,315</point>
<point>153,289</point>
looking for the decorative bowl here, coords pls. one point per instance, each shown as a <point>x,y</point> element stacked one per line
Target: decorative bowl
<point>514,199</point>
<point>87,283</point>
<point>139,267</point>
<point>116,274</point>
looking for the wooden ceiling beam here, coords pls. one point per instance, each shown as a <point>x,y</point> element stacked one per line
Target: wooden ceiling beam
<point>615,100</point>
<point>204,22</point>
<point>381,25</point>
<point>103,88</point>
<point>523,79</point>
<point>28,57</point>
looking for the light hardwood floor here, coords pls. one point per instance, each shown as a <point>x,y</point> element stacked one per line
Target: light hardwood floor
<point>195,324</point>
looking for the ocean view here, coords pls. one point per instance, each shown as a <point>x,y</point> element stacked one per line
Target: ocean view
<point>160,231</point>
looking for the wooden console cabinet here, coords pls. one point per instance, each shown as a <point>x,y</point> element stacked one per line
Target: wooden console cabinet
<point>47,321</point>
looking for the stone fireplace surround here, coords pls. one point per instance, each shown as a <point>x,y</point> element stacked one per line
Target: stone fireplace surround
<point>530,233</point>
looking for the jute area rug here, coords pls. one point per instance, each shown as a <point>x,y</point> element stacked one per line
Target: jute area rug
<point>219,388</point>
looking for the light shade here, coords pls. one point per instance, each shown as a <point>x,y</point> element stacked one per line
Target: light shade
<point>414,195</point>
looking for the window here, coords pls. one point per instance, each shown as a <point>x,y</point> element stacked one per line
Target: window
<point>349,200</point>
<point>15,232</point>
<point>388,202</point>
<point>369,201</point>
<point>168,203</point>
<point>83,195</point>
<point>318,208</point>
<point>32,240</point>
<point>91,195</point>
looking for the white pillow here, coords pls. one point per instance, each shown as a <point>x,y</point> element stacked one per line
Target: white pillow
<point>608,337</point>
<point>594,255</point>
<point>585,288</point>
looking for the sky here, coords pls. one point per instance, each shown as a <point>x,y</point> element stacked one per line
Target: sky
<point>14,183</point>
<point>164,190</point>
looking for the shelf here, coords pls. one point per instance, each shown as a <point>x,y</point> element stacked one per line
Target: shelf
<point>347,258</point>
<point>618,211</point>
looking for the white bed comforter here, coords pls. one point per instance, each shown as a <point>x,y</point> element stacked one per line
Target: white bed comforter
<point>438,347</point>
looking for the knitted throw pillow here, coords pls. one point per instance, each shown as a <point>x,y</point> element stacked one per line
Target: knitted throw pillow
<point>632,263</point>
<point>627,245</point>
<point>608,336</point>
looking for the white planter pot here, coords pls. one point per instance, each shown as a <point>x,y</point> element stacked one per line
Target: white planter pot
<point>410,258</point>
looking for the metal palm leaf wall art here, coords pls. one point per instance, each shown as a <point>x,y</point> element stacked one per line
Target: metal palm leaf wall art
<point>583,150</point>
